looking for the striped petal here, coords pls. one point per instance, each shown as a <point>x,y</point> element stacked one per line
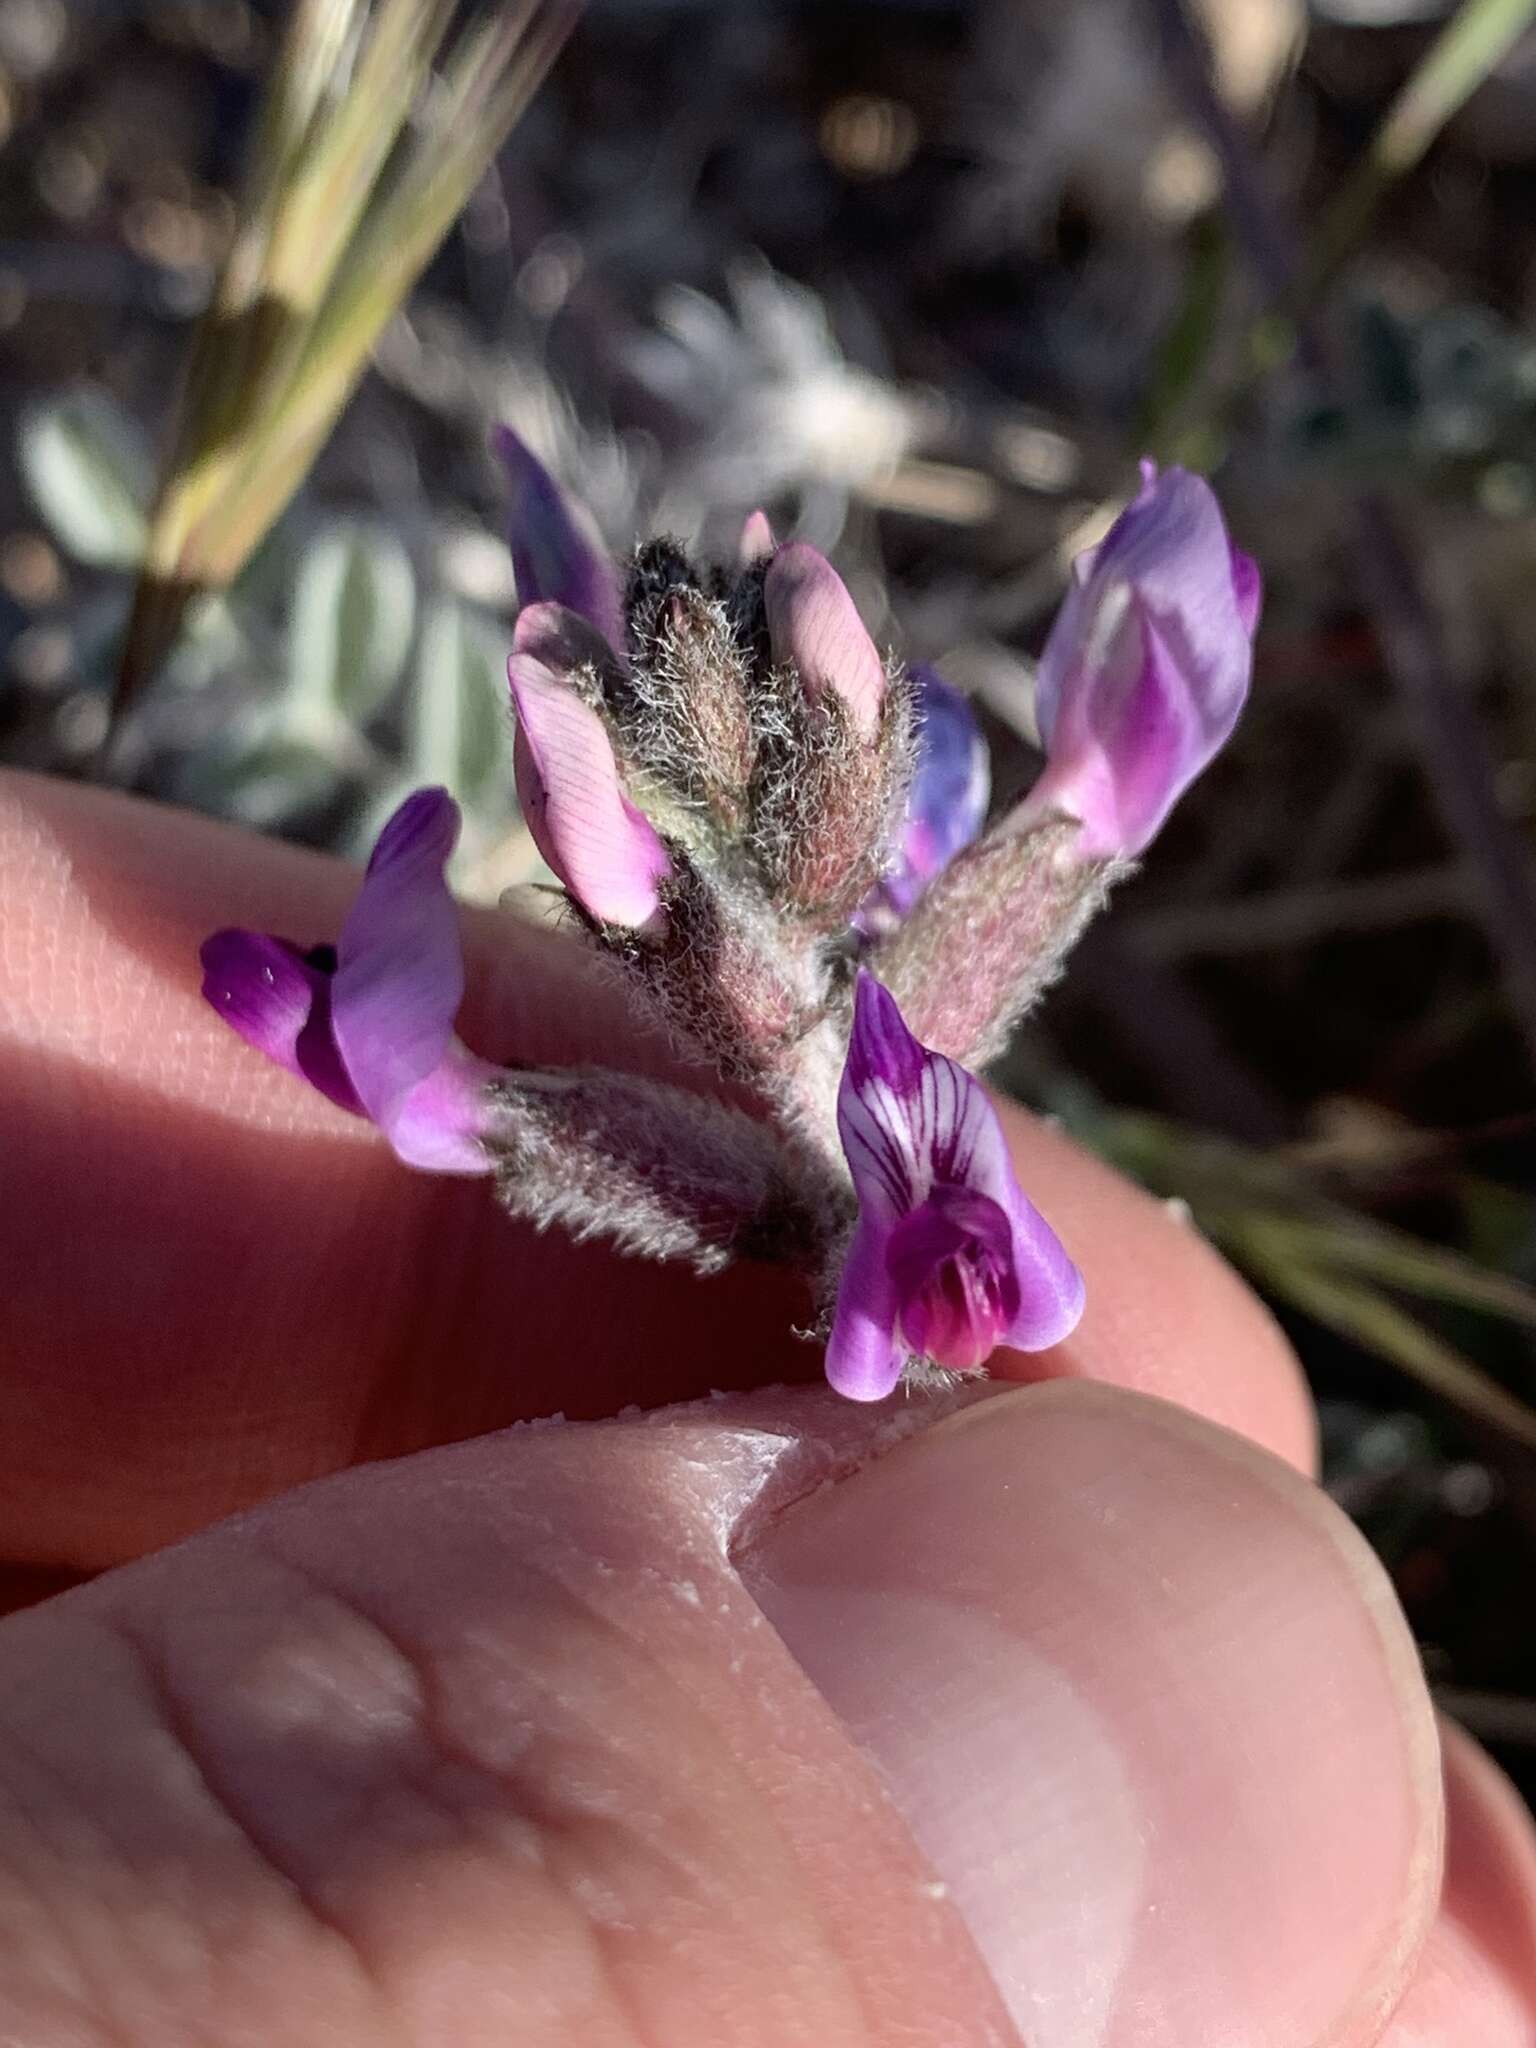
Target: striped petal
<point>950,1258</point>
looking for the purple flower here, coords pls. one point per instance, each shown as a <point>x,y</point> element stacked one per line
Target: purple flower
<point>945,806</point>
<point>554,557</point>
<point>604,849</point>
<point>949,1259</point>
<point>369,1022</point>
<point>1146,667</point>
<point>814,623</point>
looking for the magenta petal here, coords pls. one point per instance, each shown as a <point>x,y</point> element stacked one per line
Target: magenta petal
<point>278,1001</point>
<point>864,1360</point>
<point>398,985</point>
<point>602,847</point>
<point>1123,779</point>
<point>814,623</point>
<point>554,556</point>
<point>952,1265</point>
<point>1051,1289</point>
<point>440,1124</point>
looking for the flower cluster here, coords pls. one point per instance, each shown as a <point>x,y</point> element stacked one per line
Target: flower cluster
<point>780,839</point>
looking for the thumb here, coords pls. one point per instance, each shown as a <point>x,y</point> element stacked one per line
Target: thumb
<point>763,1722</point>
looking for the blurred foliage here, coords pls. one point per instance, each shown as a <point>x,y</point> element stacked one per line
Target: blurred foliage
<point>326,625</point>
<point>90,473</point>
<point>1333,1263</point>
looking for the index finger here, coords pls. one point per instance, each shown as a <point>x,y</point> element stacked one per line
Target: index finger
<point>219,1285</point>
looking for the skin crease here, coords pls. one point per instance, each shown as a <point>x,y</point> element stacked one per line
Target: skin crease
<point>294,1780</point>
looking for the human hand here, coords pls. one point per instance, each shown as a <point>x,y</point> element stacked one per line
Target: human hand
<point>1074,1706</point>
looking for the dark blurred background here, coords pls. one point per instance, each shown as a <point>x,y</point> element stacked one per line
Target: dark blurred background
<point>923,277</point>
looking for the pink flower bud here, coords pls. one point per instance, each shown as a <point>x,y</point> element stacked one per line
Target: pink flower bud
<point>814,623</point>
<point>757,542</point>
<point>1146,668</point>
<point>604,849</point>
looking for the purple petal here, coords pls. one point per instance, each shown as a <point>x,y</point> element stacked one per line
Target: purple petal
<point>1051,1292</point>
<point>563,641</point>
<point>605,850</point>
<point>264,988</point>
<point>441,1123</point>
<point>880,1047</point>
<point>952,1265</point>
<point>907,1116</point>
<point>1147,666</point>
<point>864,1359</point>
<point>919,1133</point>
<point>554,555</point>
<point>945,807</point>
<point>398,985</point>
<point>757,542</point>
<point>1123,783</point>
<point>814,623</point>
<point>370,1022</point>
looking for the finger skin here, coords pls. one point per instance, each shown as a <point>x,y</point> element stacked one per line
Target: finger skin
<point>1475,1984</point>
<point>220,1285</point>
<point>495,1743</point>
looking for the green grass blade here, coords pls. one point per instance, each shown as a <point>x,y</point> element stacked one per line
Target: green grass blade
<point>1380,1326</point>
<point>1473,44</point>
<point>1396,1259</point>
<point>361,164</point>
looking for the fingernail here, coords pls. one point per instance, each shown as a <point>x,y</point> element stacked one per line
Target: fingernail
<point>1146,1703</point>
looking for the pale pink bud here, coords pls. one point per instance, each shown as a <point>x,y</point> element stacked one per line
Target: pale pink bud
<point>604,849</point>
<point>814,623</point>
<point>757,542</point>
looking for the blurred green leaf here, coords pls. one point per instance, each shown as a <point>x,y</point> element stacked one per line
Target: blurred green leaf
<point>263,777</point>
<point>1384,1328</point>
<point>377,123</point>
<point>1307,1249</point>
<point>1471,46</point>
<point>458,731</point>
<point>1393,1258</point>
<point>1184,354</point>
<point>90,474</point>
<point>354,608</point>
